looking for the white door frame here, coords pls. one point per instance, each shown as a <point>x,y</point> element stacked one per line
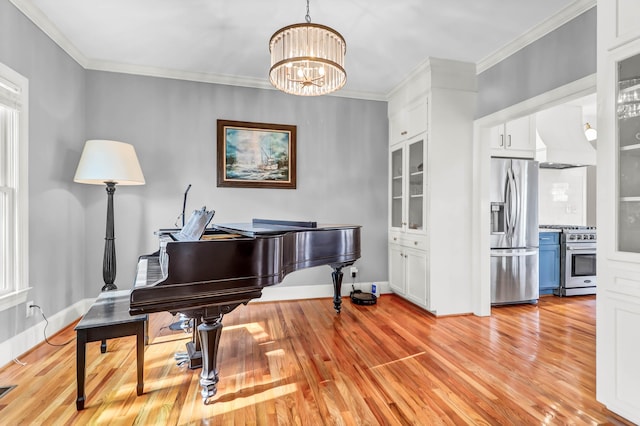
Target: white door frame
<point>481,287</point>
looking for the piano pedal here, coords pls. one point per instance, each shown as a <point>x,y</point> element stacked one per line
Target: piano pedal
<point>183,324</point>
<point>181,358</point>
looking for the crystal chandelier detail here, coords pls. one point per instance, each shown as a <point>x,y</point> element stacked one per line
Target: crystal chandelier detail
<point>307,59</point>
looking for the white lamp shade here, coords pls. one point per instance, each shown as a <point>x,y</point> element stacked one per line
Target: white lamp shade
<point>109,161</point>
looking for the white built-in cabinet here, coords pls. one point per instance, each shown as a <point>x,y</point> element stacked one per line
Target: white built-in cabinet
<point>408,159</point>
<point>409,121</point>
<point>407,204</point>
<point>618,180</point>
<point>408,272</point>
<point>430,186</point>
<point>514,139</point>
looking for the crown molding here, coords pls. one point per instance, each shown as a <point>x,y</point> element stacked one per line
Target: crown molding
<point>203,77</point>
<point>565,15</point>
<point>41,21</point>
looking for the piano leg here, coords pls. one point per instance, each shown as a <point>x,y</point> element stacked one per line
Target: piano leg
<point>337,286</point>
<point>210,331</point>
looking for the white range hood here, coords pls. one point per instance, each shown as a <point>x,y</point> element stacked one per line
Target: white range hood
<point>560,139</point>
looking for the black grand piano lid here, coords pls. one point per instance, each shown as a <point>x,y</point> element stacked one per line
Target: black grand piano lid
<point>195,226</point>
<point>266,227</point>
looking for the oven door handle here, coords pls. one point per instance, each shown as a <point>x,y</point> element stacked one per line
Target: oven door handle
<point>589,248</point>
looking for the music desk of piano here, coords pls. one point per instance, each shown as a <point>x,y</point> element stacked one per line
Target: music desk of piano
<point>229,266</point>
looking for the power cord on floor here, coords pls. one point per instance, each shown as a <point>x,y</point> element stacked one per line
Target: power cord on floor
<point>44,332</point>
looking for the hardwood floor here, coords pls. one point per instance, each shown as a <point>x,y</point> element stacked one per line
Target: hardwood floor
<point>300,363</point>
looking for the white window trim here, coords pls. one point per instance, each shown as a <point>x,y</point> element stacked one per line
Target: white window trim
<point>21,212</point>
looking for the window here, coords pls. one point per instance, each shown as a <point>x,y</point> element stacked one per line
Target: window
<point>14,214</point>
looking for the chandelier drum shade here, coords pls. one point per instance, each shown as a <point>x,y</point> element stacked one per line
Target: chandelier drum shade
<point>307,59</point>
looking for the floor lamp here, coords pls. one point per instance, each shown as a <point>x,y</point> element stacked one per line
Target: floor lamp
<point>109,163</point>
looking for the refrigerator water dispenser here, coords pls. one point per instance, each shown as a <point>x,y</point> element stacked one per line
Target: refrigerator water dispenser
<point>497,218</point>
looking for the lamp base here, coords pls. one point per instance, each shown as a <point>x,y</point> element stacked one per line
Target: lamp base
<point>109,287</point>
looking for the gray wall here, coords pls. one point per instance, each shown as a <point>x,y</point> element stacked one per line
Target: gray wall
<point>342,155</point>
<point>56,134</point>
<point>341,164</point>
<point>564,55</point>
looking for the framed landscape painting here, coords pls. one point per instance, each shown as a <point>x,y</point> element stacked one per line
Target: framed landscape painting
<point>256,155</point>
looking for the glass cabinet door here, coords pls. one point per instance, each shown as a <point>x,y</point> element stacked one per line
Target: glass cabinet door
<point>416,185</point>
<point>396,188</point>
<point>628,110</point>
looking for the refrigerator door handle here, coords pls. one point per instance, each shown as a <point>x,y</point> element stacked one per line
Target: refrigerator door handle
<point>511,203</point>
<point>515,204</point>
<point>507,206</point>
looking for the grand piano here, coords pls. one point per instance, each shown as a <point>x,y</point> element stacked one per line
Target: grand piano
<point>229,266</point>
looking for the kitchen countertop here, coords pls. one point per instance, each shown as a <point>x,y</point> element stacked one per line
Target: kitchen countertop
<point>549,230</point>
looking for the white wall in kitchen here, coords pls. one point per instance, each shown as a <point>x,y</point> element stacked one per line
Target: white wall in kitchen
<point>563,196</point>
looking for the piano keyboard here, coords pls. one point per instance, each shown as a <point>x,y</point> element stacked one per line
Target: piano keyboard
<point>148,271</point>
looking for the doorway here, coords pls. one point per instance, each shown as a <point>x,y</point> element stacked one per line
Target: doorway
<point>481,167</point>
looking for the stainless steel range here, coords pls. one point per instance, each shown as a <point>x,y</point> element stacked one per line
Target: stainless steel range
<point>577,260</point>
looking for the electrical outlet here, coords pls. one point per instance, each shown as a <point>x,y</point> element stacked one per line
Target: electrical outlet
<point>354,271</point>
<point>30,310</point>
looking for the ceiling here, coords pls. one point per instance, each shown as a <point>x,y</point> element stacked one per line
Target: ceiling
<point>228,41</point>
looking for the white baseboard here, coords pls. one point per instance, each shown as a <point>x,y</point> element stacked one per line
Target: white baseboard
<point>21,343</point>
<point>278,293</point>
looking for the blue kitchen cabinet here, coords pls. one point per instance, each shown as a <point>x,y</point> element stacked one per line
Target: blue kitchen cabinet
<point>549,258</point>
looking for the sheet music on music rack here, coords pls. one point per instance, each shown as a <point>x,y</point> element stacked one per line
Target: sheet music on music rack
<point>194,228</point>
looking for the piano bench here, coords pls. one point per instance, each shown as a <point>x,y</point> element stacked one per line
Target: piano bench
<point>108,318</point>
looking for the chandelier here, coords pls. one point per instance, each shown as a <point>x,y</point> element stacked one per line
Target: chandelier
<point>307,59</point>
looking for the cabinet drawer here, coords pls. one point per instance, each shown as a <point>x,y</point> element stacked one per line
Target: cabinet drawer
<point>549,238</point>
<point>409,241</point>
<point>417,242</point>
<point>414,241</point>
<point>394,237</point>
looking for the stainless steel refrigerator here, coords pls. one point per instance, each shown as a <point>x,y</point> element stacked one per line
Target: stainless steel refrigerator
<point>514,231</point>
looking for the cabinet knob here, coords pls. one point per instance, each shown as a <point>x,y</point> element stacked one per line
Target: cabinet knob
<point>403,133</point>
<point>415,243</point>
<point>501,140</point>
<point>405,256</point>
<point>395,238</point>
<point>509,143</point>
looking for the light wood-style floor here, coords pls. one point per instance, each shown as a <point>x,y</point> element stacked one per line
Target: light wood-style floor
<point>299,363</point>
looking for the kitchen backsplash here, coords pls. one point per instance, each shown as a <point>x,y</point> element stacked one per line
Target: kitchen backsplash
<point>563,196</point>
